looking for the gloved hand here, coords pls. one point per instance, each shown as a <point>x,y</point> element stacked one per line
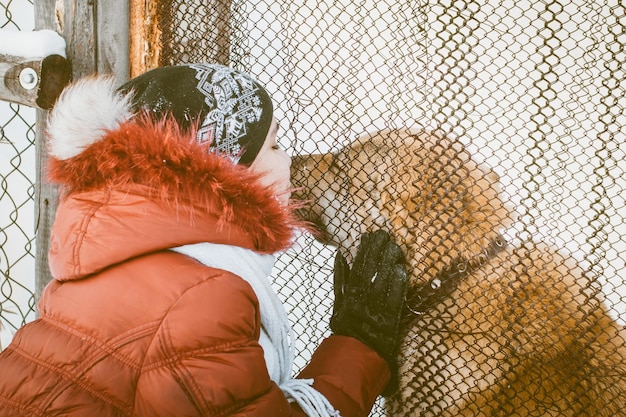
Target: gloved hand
<point>369,298</point>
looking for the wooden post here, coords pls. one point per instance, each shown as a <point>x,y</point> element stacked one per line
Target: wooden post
<point>32,81</point>
<point>157,37</point>
<point>120,37</point>
<point>96,35</point>
<point>144,36</point>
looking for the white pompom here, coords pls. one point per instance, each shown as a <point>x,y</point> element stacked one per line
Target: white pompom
<point>84,112</point>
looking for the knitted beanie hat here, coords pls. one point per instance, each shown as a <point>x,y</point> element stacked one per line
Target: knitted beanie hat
<point>232,111</point>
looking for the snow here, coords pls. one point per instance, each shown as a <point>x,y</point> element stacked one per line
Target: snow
<point>31,44</point>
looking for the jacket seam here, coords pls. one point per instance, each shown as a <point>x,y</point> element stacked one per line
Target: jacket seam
<point>82,232</point>
<point>112,347</point>
<point>100,350</point>
<point>193,353</point>
<point>175,358</point>
<point>71,379</point>
<point>182,374</point>
<point>237,406</point>
<point>32,410</point>
<point>159,323</point>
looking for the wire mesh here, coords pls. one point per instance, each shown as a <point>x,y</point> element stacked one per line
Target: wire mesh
<point>527,94</point>
<point>17,177</point>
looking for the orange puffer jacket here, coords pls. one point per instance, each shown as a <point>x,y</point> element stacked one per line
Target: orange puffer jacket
<point>130,328</point>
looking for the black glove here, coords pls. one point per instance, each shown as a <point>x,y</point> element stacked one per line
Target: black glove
<point>369,298</point>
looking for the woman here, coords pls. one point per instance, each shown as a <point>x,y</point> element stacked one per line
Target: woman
<point>174,200</point>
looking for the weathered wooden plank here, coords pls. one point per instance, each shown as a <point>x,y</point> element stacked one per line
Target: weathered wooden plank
<point>90,48</point>
<point>195,31</point>
<point>112,17</point>
<point>50,14</point>
<point>121,37</point>
<point>160,33</point>
<point>144,36</point>
<point>32,81</point>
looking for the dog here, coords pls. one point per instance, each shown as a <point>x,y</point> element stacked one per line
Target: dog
<point>489,329</point>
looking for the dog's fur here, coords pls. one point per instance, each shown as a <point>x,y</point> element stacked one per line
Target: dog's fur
<point>524,333</point>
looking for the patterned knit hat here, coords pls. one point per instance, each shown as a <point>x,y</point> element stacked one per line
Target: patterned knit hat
<point>233,112</point>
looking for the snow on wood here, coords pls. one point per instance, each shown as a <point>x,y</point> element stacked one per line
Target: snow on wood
<point>33,67</point>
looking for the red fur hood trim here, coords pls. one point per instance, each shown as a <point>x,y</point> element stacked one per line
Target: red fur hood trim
<point>176,171</point>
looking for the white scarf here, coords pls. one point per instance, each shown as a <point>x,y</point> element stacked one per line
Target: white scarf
<point>276,337</point>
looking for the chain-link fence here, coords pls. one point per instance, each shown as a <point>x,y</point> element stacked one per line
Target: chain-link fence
<point>17,178</point>
<point>533,92</point>
<point>530,94</point>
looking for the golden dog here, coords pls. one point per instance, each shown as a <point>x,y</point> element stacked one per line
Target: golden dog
<point>490,329</point>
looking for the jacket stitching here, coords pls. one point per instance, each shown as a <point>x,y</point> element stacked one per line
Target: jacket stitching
<point>189,385</point>
<point>32,410</point>
<point>159,323</point>
<point>182,374</point>
<point>112,347</point>
<point>73,379</point>
<point>82,231</point>
<point>100,351</point>
<point>194,352</point>
<point>185,380</point>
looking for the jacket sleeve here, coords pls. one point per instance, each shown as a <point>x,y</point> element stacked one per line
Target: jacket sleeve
<point>348,373</point>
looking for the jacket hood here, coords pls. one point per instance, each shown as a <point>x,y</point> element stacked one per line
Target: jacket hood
<point>101,153</point>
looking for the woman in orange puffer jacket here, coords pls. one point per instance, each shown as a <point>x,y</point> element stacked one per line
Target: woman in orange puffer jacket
<point>174,200</point>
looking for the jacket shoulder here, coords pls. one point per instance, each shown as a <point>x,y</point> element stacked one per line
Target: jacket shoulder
<point>158,332</point>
